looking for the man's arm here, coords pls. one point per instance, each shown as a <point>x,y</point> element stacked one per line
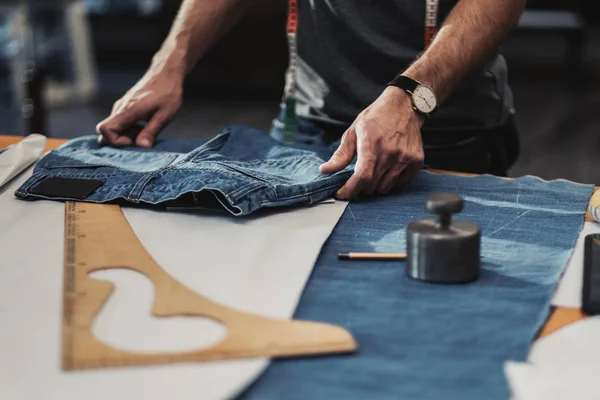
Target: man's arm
<point>386,136</point>
<point>197,26</point>
<point>157,96</point>
<point>464,42</point>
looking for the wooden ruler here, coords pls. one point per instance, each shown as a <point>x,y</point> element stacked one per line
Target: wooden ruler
<point>98,237</point>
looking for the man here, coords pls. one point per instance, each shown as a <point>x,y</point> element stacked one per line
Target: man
<point>402,82</point>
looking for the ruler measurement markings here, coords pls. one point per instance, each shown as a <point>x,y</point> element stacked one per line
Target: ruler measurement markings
<point>69,285</point>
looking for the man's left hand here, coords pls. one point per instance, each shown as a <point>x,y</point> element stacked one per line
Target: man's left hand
<point>386,137</point>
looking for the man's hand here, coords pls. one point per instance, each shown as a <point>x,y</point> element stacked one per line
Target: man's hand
<point>386,137</point>
<point>155,99</point>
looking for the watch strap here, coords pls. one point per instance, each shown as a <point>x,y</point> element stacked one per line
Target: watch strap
<point>404,82</point>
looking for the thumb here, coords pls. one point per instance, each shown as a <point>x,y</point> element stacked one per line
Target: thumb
<point>343,155</point>
<point>148,135</point>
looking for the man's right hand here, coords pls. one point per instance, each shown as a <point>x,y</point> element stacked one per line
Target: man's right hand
<point>154,99</point>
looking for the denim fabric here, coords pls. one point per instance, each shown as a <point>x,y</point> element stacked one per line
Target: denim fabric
<point>429,341</point>
<point>240,170</point>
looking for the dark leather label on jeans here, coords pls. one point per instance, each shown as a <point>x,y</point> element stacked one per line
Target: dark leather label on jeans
<point>71,188</point>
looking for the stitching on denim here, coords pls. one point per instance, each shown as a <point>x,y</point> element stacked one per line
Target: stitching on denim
<point>309,193</point>
<point>85,175</point>
<point>237,193</point>
<point>281,160</point>
<point>138,188</point>
<point>31,182</point>
<point>209,146</point>
<point>50,165</point>
<point>251,175</point>
<point>244,190</point>
<point>238,201</point>
<point>84,167</point>
<point>39,177</point>
<point>262,181</point>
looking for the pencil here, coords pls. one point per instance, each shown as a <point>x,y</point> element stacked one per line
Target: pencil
<point>372,256</point>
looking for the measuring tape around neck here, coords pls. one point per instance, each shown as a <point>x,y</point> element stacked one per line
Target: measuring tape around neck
<point>431,16</point>
<point>290,123</point>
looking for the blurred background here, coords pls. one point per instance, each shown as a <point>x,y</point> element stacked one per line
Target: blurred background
<point>64,63</point>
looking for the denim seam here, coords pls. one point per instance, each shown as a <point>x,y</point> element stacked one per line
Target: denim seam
<point>209,146</point>
<point>234,203</point>
<point>235,194</point>
<point>54,164</point>
<point>244,190</point>
<point>238,200</point>
<point>309,194</point>
<point>265,161</point>
<point>258,180</point>
<point>263,181</point>
<point>83,175</point>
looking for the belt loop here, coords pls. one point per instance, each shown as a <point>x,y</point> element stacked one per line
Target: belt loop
<point>137,190</point>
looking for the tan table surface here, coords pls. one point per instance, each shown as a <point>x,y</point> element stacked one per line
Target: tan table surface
<point>560,317</point>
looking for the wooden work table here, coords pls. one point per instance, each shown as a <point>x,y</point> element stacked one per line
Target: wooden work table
<point>560,317</point>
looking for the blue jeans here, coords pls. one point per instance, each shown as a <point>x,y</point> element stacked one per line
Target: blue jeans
<point>241,170</point>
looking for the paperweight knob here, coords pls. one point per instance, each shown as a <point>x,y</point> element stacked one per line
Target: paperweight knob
<point>444,205</point>
<point>443,250</point>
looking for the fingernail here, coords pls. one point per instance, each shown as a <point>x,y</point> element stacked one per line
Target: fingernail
<point>123,141</point>
<point>144,142</point>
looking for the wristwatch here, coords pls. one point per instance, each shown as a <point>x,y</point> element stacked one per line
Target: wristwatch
<point>422,96</point>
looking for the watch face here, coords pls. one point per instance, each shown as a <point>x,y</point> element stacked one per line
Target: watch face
<point>424,99</point>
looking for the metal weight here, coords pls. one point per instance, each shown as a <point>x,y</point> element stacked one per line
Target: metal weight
<point>443,250</point>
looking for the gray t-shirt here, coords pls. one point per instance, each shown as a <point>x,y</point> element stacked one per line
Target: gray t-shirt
<point>348,50</point>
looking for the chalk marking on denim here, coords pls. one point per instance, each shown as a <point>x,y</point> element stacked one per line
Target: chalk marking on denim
<point>510,204</point>
<point>351,213</point>
<point>511,222</point>
<point>521,178</point>
<point>489,223</point>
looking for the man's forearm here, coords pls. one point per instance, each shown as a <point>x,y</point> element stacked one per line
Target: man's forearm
<point>470,33</point>
<point>197,26</point>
